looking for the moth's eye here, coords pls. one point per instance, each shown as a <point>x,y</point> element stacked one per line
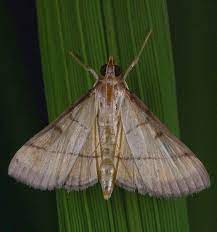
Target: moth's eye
<point>117,70</point>
<point>103,70</point>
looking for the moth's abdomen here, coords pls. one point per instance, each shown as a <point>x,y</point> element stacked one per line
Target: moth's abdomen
<point>107,173</point>
<point>108,116</point>
<point>107,168</point>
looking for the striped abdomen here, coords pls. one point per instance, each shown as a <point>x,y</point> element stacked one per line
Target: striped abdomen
<point>108,129</point>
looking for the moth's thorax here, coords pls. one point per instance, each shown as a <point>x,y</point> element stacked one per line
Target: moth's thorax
<point>111,80</point>
<point>110,95</point>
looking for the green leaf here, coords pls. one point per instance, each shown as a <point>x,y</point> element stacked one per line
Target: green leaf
<point>94,30</point>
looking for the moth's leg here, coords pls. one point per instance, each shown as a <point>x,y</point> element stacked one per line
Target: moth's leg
<point>136,60</point>
<point>85,66</point>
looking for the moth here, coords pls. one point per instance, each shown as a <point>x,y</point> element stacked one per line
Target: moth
<point>111,137</point>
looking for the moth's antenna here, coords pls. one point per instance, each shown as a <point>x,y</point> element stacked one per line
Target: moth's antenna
<point>85,66</point>
<point>136,60</point>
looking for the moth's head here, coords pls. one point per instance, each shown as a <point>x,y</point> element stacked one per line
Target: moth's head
<point>110,69</point>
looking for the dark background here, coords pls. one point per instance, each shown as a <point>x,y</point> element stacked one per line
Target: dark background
<point>23,107</point>
<point>23,113</point>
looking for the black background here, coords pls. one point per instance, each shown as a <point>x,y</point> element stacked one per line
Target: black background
<point>23,108</point>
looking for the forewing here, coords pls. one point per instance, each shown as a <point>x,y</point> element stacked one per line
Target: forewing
<point>157,162</point>
<point>61,155</point>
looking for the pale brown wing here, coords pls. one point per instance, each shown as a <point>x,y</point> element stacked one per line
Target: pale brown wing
<point>63,154</point>
<point>153,160</point>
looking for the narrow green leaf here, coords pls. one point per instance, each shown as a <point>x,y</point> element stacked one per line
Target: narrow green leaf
<point>94,30</point>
